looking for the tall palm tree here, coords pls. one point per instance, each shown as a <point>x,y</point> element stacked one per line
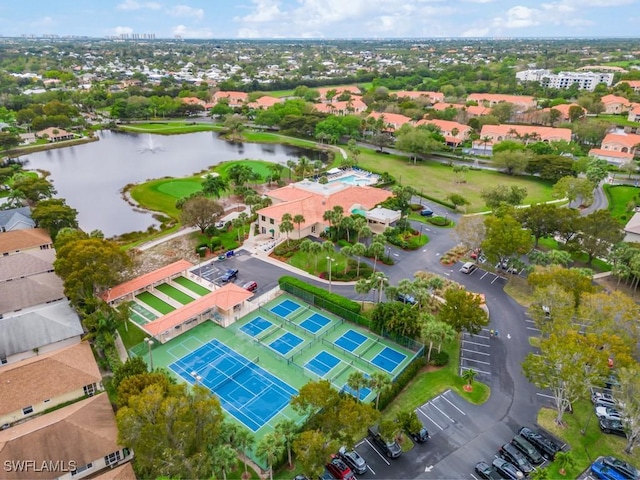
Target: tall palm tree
<point>298,219</point>
<point>224,458</point>
<point>363,287</point>
<point>292,167</point>
<point>379,382</point>
<point>269,448</point>
<point>244,441</point>
<point>347,223</point>
<point>314,249</point>
<point>376,250</point>
<point>379,281</point>
<point>288,430</point>
<point>304,167</point>
<point>357,381</point>
<point>358,250</point>
<point>347,251</point>
<point>286,225</point>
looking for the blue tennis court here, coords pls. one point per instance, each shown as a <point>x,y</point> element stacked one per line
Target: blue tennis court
<point>256,326</point>
<point>364,392</point>
<point>315,322</point>
<point>350,340</point>
<point>285,343</point>
<point>248,392</point>
<point>285,308</point>
<point>322,363</point>
<point>388,359</point>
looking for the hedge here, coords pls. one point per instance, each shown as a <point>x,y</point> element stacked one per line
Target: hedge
<point>402,381</point>
<point>332,298</point>
<point>437,200</point>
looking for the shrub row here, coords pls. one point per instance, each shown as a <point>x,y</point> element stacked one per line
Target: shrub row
<point>437,200</point>
<point>319,293</point>
<point>402,381</point>
<point>439,221</point>
<point>287,249</point>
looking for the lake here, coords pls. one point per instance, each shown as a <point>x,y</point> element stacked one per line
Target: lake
<point>91,176</point>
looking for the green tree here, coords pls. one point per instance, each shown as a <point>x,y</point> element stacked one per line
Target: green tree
<point>433,331</point>
<point>34,189</point>
<point>501,194</point>
<point>597,170</point>
<point>379,382</point>
<point>469,376</point>
<point>458,200</point>
<point>564,460</point>
<point>574,188</point>
<point>201,212</point>
<point>540,219</point>
<point>505,238</point>
<point>354,150</point>
<point>628,396</point>
<point>234,125</point>
<point>298,219</point>
<point>375,250</point>
<point>396,318</point>
<point>416,141</point>
<point>270,447</point>
<point>513,162</point>
<point>133,366</point>
<point>313,449</point>
<point>597,233</point>
<point>134,385</point>
<point>245,441</point>
<point>356,382</point>
<point>223,459</point>
<point>503,111</point>
<point>214,185</point>
<point>288,430</point>
<point>53,215</point>
<point>462,311</point>
<point>240,174</point>
<point>573,280</point>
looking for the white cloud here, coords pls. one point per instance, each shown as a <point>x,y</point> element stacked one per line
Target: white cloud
<point>186,11</point>
<point>476,32</point>
<point>121,30</point>
<point>135,5</point>
<point>265,11</point>
<point>518,17</point>
<point>479,1</point>
<point>187,32</point>
<point>43,22</point>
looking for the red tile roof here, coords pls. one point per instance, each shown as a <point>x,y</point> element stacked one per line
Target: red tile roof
<point>264,102</point>
<point>225,298</point>
<point>601,152</point>
<point>433,96</point>
<point>545,133</point>
<point>613,99</point>
<point>142,281</point>
<point>525,100</point>
<point>339,90</point>
<point>629,140</point>
<point>393,119</point>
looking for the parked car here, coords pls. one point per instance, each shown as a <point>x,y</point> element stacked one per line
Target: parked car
<point>339,470</point>
<point>507,470</point>
<point>390,449</point>
<point>615,427</point>
<point>325,475</point>
<point>420,436</point>
<point>353,459</point>
<point>629,471</point>
<point>426,212</point>
<point>528,449</point>
<point>468,268</point>
<point>229,275</point>
<point>405,298</point>
<point>250,286</point>
<point>510,453</point>
<point>602,397</point>
<point>487,472</point>
<point>605,402</point>
<point>608,413</point>
<point>605,472</point>
<point>300,477</point>
<point>545,446</point>
<point>474,255</point>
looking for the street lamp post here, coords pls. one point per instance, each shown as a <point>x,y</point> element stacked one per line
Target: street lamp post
<point>149,342</point>
<point>329,260</point>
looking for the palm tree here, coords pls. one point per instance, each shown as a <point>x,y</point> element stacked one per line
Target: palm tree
<point>376,250</point>
<point>314,249</point>
<point>539,474</point>
<point>244,440</point>
<point>214,185</point>
<point>328,247</point>
<point>292,167</point>
<point>358,250</point>
<point>298,219</point>
<point>357,381</point>
<point>238,223</point>
<point>564,460</point>
<point>379,281</point>
<point>469,375</point>
<point>347,251</point>
<point>269,448</point>
<point>379,382</point>
<point>363,287</point>
<point>486,139</point>
<point>304,166</point>
<point>224,458</point>
<point>305,246</point>
<point>347,223</point>
<point>287,429</point>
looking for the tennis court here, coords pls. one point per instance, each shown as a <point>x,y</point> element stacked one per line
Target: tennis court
<point>256,326</point>
<point>351,340</point>
<point>154,302</point>
<point>364,392</point>
<point>173,292</point>
<point>322,363</point>
<point>248,392</point>
<point>388,359</point>
<point>285,308</point>
<point>285,343</point>
<point>315,323</point>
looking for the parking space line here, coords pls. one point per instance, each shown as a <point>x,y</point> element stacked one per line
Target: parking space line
<point>475,343</point>
<point>473,351</point>
<point>476,361</point>
<point>485,274</point>
<point>473,476</point>
<point>534,329</point>
<point>497,277</point>
<point>475,370</point>
<point>371,469</point>
<point>477,336</point>
<point>376,450</point>
<point>436,407</point>
<point>450,403</point>
<point>429,418</point>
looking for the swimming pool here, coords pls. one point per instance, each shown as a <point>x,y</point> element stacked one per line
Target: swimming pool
<point>355,180</point>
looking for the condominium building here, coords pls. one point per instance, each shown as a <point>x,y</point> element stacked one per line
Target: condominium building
<point>563,80</point>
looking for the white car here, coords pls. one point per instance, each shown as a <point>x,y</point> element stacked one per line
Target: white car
<point>608,413</point>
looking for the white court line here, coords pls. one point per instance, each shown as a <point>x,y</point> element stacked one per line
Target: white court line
<point>429,418</point>
<point>475,343</point>
<point>473,351</point>
<point>376,450</point>
<point>476,361</point>
<point>450,403</point>
<point>545,395</point>
<point>436,407</point>
<point>475,370</point>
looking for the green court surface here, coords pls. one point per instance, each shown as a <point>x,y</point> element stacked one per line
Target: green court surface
<point>174,293</point>
<point>290,366</point>
<point>191,285</point>
<point>154,302</point>
<point>140,315</point>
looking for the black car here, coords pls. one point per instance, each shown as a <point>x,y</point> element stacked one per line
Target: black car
<point>511,454</point>
<point>229,275</point>
<point>545,446</point>
<point>622,467</point>
<point>405,298</point>
<point>529,450</point>
<point>420,436</point>
<point>353,459</point>
<point>612,426</point>
<point>426,212</point>
<point>484,470</point>
<point>507,470</point>
<point>390,449</point>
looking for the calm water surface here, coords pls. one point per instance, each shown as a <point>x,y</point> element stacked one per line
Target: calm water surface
<point>90,176</point>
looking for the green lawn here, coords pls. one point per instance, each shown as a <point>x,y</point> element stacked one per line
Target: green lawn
<point>174,293</point>
<point>578,257</point>
<point>130,335</point>
<point>437,179</point>
<point>267,137</point>
<point>170,128</point>
<point>154,302</point>
<point>620,197</point>
<point>306,262</point>
<point>586,447</point>
<point>429,384</point>
<point>191,285</point>
<point>621,120</point>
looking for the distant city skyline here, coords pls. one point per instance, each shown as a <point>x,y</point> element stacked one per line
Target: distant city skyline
<point>323,19</point>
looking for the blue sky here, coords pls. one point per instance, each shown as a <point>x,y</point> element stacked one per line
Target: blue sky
<point>323,18</point>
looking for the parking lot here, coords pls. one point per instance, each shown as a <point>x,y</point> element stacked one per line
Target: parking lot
<point>249,269</point>
<point>475,353</point>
